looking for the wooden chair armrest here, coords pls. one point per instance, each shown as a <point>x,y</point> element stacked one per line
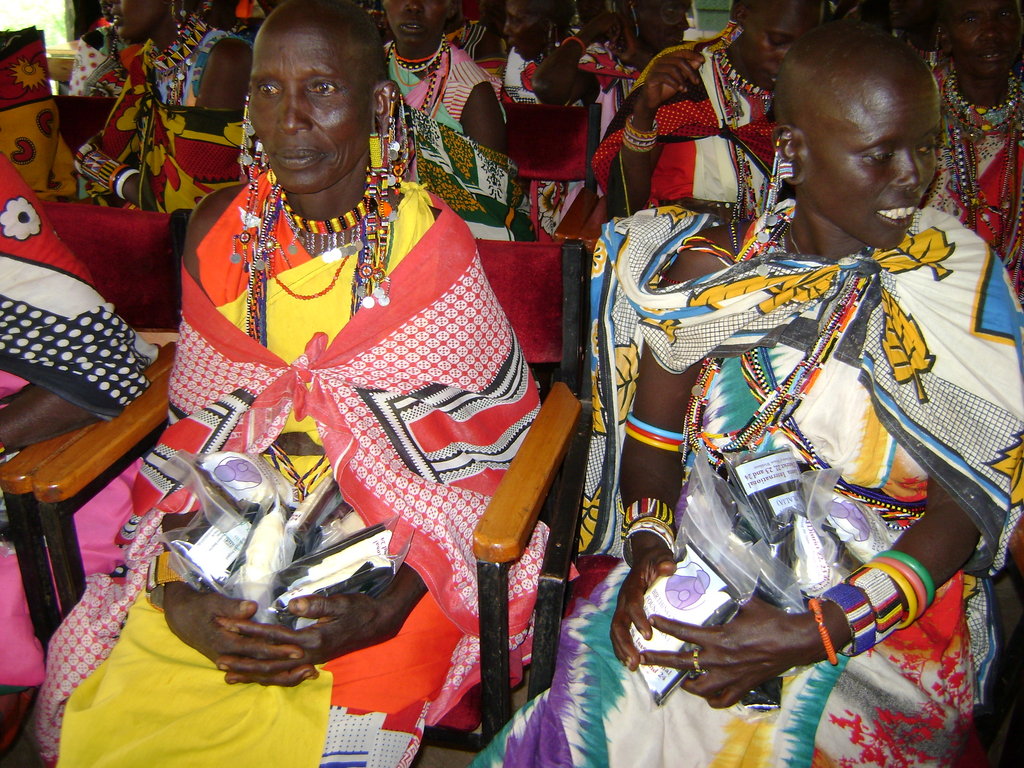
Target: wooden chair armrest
<point>100,445</point>
<point>509,519</point>
<point>16,474</point>
<point>584,219</point>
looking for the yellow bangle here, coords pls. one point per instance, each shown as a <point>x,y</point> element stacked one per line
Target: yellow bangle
<point>905,587</point>
<point>673,447</point>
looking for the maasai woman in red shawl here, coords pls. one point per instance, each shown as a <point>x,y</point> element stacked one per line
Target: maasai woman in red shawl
<point>337,319</point>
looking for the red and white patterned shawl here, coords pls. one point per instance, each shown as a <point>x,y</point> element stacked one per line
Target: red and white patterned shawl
<point>420,405</point>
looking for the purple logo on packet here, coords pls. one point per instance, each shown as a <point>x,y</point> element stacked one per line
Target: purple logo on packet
<point>849,519</point>
<point>237,473</point>
<point>685,590</point>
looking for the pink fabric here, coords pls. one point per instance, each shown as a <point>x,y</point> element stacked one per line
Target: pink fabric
<point>97,523</point>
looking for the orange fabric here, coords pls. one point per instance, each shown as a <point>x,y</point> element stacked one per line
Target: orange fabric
<point>409,668</point>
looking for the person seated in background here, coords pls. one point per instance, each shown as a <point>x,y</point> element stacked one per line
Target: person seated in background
<point>66,360</point>
<point>818,311</point>
<point>29,121</point>
<point>601,62</point>
<point>703,139</point>
<point>981,157</point>
<point>916,22</point>
<point>482,45</point>
<point>459,124</point>
<point>173,135</point>
<point>98,69</point>
<point>337,319</point>
<point>439,79</point>
<point>533,29</point>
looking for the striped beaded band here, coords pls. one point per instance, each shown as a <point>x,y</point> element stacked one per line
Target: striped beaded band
<point>884,595</point>
<point>652,515</point>
<point>859,615</point>
<point>909,595</point>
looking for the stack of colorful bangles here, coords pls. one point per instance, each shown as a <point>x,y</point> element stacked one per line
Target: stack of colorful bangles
<point>639,141</point>
<point>873,598</point>
<point>651,515</point>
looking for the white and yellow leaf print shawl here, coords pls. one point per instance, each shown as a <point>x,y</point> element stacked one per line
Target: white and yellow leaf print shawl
<point>937,340</point>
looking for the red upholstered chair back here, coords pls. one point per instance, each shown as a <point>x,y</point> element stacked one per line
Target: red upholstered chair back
<point>130,255</point>
<point>82,117</point>
<point>550,143</point>
<point>527,279</point>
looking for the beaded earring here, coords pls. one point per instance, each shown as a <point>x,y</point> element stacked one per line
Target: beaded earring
<point>391,150</point>
<point>250,152</point>
<point>782,170</point>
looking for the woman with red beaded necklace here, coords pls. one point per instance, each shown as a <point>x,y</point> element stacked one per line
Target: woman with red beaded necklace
<point>435,78</point>
<point>981,160</point>
<point>337,318</point>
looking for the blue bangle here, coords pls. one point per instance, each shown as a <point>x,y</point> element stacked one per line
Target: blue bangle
<point>654,430</point>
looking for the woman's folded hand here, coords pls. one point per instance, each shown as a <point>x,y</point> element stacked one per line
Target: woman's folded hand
<point>651,559</point>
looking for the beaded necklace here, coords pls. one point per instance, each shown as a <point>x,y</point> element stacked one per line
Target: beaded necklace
<point>258,248</point>
<point>428,68</point>
<point>171,65</point>
<point>968,125</point>
<point>779,399</point>
<point>734,92</point>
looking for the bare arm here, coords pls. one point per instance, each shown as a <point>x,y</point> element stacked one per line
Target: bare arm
<point>35,414</point>
<point>558,79</point>
<point>671,74</point>
<point>226,78</point>
<point>482,118</point>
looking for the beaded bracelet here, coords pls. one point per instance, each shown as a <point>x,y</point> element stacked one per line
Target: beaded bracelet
<point>909,595</point>
<point>637,140</point>
<point>651,515</point>
<point>648,508</point>
<point>859,615</point>
<point>650,525</point>
<point>98,167</point>
<point>884,595</point>
<point>915,565</point>
<point>826,638</point>
<point>912,578</point>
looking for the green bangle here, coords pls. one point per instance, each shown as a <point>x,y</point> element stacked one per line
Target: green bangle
<point>911,562</point>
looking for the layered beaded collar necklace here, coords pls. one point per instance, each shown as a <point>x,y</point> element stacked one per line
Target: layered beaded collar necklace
<point>734,92</point>
<point>968,125</point>
<point>363,232</point>
<point>976,121</point>
<point>171,65</point>
<point>429,68</point>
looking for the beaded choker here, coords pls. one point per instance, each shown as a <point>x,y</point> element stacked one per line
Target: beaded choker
<point>975,120</point>
<point>258,247</point>
<point>421,67</point>
<point>337,224</point>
